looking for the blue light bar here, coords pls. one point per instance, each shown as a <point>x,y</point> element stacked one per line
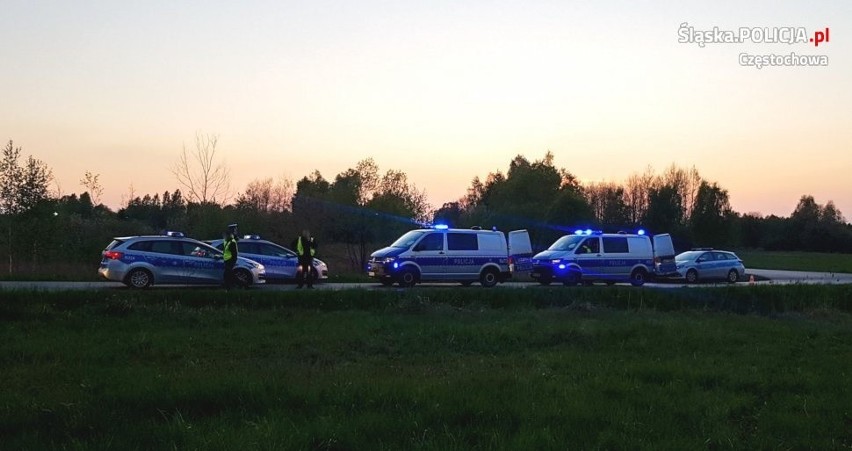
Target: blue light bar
<point>588,231</point>
<point>251,237</point>
<point>640,232</point>
<point>441,226</point>
<point>578,232</point>
<point>175,234</point>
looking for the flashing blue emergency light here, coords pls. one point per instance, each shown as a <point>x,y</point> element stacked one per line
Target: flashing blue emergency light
<point>395,265</point>
<point>588,231</point>
<point>640,232</point>
<point>578,232</point>
<point>441,226</point>
<point>561,266</point>
<point>251,237</point>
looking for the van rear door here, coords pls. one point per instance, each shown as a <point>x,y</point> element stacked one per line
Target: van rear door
<point>520,251</point>
<point>664,254</point>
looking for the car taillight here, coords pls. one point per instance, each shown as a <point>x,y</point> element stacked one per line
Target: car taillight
<point>113,255</point>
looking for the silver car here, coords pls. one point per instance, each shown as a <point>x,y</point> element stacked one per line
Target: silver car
<point>707,264</point>
<point>280,262</point>
<point>141,261</point>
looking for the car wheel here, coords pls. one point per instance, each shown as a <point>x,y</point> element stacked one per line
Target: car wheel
<point>638,277</point>
<point>407,277</point>
<point>489,278</point>
<point>733,276</point>
<point>572,278</point>
<point>692,276</point>
<point>139,278</point>
<point>243,277</point>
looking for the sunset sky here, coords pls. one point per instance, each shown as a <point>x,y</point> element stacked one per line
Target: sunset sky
<point>443,90</point>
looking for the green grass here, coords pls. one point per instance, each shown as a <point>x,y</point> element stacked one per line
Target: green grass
<point>797,261</point>
<point>536,368</point>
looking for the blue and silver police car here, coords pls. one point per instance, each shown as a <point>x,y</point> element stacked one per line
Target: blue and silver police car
<point>708,264</point>
<point>280,262</point>
<point>141,261</point>
<point>589,256</point>
<point>441,254</point>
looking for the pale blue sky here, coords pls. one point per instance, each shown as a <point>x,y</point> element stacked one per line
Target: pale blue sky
<point>442,90</point>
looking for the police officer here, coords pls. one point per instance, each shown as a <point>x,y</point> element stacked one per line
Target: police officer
<point>230,254</point>
<point>306,247</point>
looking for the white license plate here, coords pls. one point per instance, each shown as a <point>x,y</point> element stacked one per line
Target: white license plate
<point>371,274</point>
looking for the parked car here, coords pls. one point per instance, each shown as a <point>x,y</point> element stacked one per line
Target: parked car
<point>441,254</point>
<point>280,262</point>
<point>588,256</point>
<point>141,261</point>
<point>709,264</point>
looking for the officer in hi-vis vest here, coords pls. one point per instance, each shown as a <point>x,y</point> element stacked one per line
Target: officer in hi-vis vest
<point>229,255</point>
<point>306,247</point>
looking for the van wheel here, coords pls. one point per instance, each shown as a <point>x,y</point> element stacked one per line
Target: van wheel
<point>139,278</point>
<point>638,277</point>
<point>733,276</point>
<point>691,276</point>
<point>407,277</point>
<point>489,278</point>
<point>572,278</point>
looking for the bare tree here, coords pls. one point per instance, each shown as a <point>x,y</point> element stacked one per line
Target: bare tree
<point>93,185</point>
<point>197,171</point>
<point>266,195</point>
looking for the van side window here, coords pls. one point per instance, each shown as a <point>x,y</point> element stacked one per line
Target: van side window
<point>590,246</point>
<point>462,242</point>
<point>431,242</point>
<point>615,245</point>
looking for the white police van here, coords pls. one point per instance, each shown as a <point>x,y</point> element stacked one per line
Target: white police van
<point>588,256</point>
<point>441,254</point>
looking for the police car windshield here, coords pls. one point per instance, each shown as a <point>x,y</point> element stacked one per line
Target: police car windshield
<point>408,239</point>
<point>689,255</point>
<point>566,243</point>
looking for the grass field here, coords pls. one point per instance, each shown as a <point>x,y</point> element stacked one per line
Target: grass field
<point>602,367</point>
<point>797,261</point>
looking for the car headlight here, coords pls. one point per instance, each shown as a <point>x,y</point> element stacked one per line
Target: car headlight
<point>260,267</point>
<point>556,261</point>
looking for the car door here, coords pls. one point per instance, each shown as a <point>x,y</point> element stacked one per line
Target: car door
<point>280,262</point>
<point>430,256</point>
<point>616,253</point>
<point>166,256</point>
<point>462,248</point>
<point>588,256</point>
<point>202,263</point>
<point>704,264</point>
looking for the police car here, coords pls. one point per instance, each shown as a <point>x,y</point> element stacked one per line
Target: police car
<point>280,262</point>
<point>451,255</point>
<point>141,261</point>
<point>588,256</point>
<point>708,263</point>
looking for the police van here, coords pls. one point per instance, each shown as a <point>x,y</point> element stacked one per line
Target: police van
<point>588,257</point>
<point>441,254</point>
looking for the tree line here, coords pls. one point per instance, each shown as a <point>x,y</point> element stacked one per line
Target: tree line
<point>363,208</point>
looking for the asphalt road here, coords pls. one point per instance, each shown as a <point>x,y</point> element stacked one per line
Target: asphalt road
<point>762,276</point>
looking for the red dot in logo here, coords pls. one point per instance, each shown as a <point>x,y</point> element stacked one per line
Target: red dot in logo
<point>812,39</point>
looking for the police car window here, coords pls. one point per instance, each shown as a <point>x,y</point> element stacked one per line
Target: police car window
<point>590,246</point>
<point>142,246</point>
<point>248,248</point>
<point>196,250</point>
<point>462,242</point>
<point>615,245</point>
<point>167,247</point>
<point>408,239</point>
<point>431,242</point>
<point>274,251</point>
<point>114,244</point>
<point>566,243</point>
